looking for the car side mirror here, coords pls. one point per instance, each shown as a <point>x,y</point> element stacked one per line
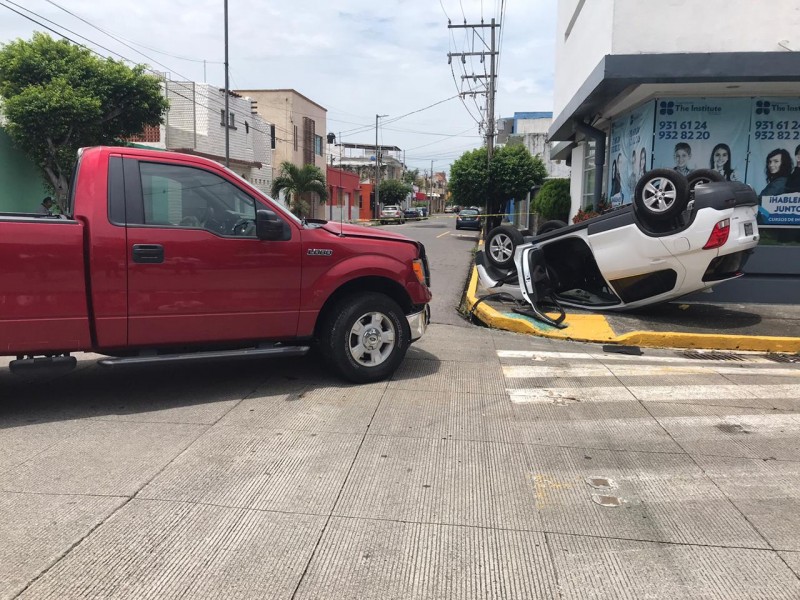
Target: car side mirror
<point>269,227</point>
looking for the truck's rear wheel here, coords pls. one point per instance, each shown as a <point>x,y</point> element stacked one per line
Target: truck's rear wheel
<point>366,337</point>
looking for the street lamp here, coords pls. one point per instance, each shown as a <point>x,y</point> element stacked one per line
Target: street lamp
<point>377,169</point>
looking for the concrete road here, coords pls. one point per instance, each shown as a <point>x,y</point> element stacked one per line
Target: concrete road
<point>450,254</point>
<point>491,465</point>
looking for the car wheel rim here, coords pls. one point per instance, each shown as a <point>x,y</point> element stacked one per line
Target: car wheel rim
<point>501,248</point>
<point>372,339</point>
<point>659,195</point>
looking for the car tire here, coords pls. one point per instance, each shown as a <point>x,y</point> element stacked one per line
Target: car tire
<point>500,245</point>
<point>365,337</point>
<point>660,195</point>
<point>701,176</point>
<point>549,226</point>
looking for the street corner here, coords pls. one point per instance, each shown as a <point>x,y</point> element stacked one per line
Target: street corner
<point>754,328</point>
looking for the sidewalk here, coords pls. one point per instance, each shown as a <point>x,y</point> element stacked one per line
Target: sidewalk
<point>745,327</point>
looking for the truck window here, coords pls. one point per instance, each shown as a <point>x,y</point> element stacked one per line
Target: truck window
<point>180,196</point>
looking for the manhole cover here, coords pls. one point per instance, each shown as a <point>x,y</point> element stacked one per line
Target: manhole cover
<point>601,482</point>
<point>697,355</point>
<point>607,501</point>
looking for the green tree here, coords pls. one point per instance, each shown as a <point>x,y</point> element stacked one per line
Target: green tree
<point>411,177</point>
<point>393,191</point>
<point>300,184</point>
<point>469,178</point>
<point>553,200</point>
<point>512,173</point>
<point>58,97</point>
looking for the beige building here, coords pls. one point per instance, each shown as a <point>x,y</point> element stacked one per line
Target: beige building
<point>300,125</point>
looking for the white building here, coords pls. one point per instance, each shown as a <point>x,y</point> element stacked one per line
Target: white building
<point>530,128</point>
<point>195,124</point>
<point>671,84</point>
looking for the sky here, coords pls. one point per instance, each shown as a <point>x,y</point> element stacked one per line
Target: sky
<point>353,57</point>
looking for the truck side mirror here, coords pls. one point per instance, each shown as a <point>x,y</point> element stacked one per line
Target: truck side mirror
<point>269,227</point>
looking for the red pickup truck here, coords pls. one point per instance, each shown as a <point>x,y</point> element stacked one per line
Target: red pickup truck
<point>164,256</point>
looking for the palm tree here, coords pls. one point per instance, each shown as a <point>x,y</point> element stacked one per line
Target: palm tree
<point>299,183</point>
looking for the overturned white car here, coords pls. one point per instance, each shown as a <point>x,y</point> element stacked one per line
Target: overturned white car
<point>680,235</point>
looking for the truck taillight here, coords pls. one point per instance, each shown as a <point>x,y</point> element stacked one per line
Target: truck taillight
<point>719,235</point>
<point>419,270</point>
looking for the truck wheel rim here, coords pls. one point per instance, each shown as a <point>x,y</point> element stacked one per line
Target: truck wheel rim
<point>372,339</point>
<point>501,247</point>
<point>659,195</point>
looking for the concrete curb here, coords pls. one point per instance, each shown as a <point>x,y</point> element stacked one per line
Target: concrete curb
<point>595,328</point>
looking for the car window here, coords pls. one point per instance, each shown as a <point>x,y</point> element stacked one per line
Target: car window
<point>469,213</point>
<point>180,196</point>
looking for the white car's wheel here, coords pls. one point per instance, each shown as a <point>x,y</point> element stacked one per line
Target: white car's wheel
<point>549,226</point>
<point>500,246</point>
<point>701,176</point>
<point>660,195</point>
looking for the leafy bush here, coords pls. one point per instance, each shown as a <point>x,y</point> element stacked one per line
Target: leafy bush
<point>553,200</point>
<point>588,212</point>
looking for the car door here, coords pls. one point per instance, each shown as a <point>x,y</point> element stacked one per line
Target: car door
<point>196,271</point>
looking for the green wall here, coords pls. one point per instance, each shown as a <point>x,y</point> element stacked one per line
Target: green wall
<point>21,185</point>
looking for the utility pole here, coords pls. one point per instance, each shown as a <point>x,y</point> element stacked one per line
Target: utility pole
<point>377,169</point>
<point>430,203</point>
<point>227,83</point>
<point>488,50</point>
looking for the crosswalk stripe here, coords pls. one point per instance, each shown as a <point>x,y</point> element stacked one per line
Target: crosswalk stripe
<point>565,395</point>
<point>635,370</point>
<point>543,356</point>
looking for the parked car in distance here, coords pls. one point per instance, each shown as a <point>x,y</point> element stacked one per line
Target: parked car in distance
<point>391,214</point>
<point>423,211</point>
<point>412,214</point>
<point>448,209</point>
<point>468,219</point>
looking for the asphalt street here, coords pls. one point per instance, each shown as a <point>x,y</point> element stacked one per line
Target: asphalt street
<point>491,465</point>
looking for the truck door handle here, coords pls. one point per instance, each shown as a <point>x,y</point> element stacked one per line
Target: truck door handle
<point>148,253</point>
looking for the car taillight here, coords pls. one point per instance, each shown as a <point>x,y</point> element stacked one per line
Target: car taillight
<point>719,235</point>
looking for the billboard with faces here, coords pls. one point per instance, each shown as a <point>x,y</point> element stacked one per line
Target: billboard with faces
<point>630,149</point>
<point>774,170</point>
<point>752,140</point>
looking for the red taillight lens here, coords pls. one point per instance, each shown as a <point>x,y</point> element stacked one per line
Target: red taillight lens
<point>719,235</point>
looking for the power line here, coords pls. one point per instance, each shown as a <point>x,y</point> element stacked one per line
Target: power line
<point>118,37</point>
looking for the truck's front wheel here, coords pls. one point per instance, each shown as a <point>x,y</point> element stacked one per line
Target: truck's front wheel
<point>366,337</point>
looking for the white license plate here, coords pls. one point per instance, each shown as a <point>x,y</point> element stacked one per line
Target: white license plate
<point>748,229</point>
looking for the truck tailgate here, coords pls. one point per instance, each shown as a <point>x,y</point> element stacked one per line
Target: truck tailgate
<point>43,304</point>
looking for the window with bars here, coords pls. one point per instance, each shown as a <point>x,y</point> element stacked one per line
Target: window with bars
<point>589,174</point>
<point>231,118</point>
<point>308,141</point>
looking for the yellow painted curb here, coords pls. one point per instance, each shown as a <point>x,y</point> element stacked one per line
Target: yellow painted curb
<point>595,328</point>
